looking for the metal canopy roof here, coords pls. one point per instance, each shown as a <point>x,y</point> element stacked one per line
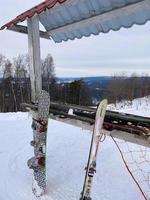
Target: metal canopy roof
<point>70,19</point>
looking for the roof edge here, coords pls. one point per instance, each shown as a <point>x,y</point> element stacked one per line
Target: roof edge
<point>48,4</point>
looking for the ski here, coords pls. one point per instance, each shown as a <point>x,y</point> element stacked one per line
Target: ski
<point>39,126</point>
<point>96,137</point>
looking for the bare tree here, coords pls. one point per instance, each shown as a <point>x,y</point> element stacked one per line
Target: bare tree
<point>116,90</point>
<point>21,68</point>
<point>48,71</point>
<point>9,102</point>
<point>21,64</point>
<point>7,69</point>
<point>2,63</point>
<point>2,59</point>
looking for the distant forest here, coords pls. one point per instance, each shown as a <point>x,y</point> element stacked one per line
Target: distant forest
<point>15,85</point>
<point>127,88</point>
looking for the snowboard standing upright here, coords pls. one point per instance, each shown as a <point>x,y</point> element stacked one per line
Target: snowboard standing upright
<point>39,126</point>
<point>91,165</point>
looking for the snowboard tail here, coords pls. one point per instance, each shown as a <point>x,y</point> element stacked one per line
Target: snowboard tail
<point>91,165</point>
<point>39,126</point>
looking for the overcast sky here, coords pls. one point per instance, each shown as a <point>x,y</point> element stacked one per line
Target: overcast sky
<point>126,50</point>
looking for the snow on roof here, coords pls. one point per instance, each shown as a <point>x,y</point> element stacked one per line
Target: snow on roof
<point>70,19</point>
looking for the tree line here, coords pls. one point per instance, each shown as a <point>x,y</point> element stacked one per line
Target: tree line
<point>15,85</point>
<point>123,87</point>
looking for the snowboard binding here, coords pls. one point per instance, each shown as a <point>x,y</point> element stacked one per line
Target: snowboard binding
<point>85,198</point>
<point>33,143</point>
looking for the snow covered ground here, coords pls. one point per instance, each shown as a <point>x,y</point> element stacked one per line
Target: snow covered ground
<point>140,106</point>
<point>67,156</point>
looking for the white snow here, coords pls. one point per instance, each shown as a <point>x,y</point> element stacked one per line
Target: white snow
<point>67,154</point>
<point>140,106</point>
<point>70,112</point>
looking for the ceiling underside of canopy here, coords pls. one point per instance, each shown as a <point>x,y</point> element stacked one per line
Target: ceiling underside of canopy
<point>72,19</point>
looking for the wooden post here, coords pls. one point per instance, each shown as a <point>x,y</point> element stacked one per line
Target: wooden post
<point>35,58</point>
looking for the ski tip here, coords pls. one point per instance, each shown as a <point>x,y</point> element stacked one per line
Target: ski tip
<point>103,104</point>
<point>104,101</point>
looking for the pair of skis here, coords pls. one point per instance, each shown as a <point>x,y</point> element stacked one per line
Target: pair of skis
<point>96,138</point>
<point>38,162</point>
<point>39,126</point>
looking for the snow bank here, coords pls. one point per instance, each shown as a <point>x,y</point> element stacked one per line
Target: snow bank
<point>140,106</point>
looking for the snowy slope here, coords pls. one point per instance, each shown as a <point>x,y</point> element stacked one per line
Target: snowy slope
<point>140,106</point>
<point>67,156</point>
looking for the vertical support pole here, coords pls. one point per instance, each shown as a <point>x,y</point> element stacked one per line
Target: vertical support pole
<point>35,57</point>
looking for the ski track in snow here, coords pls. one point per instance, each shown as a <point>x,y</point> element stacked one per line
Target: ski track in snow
<point>67,154</point>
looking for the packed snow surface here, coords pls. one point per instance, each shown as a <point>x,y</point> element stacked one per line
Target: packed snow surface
<point>67,154</point>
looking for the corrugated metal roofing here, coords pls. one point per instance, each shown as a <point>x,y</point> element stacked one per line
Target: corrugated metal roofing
<point>77,18</point>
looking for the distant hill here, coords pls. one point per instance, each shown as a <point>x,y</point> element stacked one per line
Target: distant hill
<point>86,79</point>
<point>97,85</point>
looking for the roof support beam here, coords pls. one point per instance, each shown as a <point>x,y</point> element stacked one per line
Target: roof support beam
<point>35,57</point>
<point>24,29</point>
